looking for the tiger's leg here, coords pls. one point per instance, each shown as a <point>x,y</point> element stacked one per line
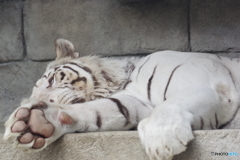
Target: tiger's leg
<point>35,125</point>
<point>169,129</point>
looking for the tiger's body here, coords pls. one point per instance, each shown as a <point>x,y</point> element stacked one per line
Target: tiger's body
<point>166,94</point>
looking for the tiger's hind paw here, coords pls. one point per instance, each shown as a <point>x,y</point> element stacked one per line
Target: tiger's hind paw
<point>163,142</point>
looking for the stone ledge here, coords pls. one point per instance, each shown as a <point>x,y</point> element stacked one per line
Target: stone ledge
<point>125,146</point>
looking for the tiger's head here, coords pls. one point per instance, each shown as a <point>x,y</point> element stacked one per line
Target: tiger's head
<point>69,79</point>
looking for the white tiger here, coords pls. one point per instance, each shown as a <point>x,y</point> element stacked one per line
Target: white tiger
<point>166,94</point>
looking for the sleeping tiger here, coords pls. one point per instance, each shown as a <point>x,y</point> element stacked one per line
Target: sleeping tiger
<point>166,95</point>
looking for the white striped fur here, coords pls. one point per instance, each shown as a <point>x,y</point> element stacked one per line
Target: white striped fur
<point>166,94</point>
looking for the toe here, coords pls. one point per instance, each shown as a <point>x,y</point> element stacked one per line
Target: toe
<point>26,138</point>
<point>19,126</point>
<point>39,143</point>
<point>22,113</point>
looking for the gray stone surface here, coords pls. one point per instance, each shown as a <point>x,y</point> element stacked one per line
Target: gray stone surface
<point>11,46</point>
<point>105,27</point>
<point>2,129</point>
<point>215,25</point>
<point>16,82</point>
<point>131,1</point>
<point>126,146</point>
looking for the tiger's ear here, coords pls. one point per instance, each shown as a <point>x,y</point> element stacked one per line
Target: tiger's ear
<point>65,48</point>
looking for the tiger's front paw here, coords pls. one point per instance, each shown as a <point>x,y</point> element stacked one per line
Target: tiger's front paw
<point>35,124</point>
<point>163,140</point>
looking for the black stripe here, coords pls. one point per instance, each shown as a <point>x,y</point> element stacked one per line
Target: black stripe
<point>71,69</point>
<point>137,117</point>
<point>98,97</point>
<point>87,70</point>
<point>95,82</point>
<point>219,57</point>
<point>129,67</point>
<point>106,77</point>
<point>211,125</point>
<point>192,126</point>
<point>82,67</point>
<point>56,68</point>
<point>122,109</point>
<point>139,101</point>
<point>216,119</point>
<point>99,120</point>
<point>142,66</point>
<point>44,76</point>
<point>169,82</point>
<point>150,83</point>
<point>66,101</point>
<point>66,93</point>
<point>50,80</point>
<point>125,85</point>
<point>78,100</point>
<point>62,75</point>
<point>202,123</point>
<point>232,78</point>
<point>79,79</point>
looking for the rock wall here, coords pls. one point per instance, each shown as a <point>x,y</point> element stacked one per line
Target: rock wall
<point>105,27</point>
